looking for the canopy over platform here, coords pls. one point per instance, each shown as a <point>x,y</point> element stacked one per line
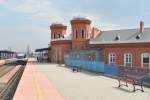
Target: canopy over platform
<point>42,49</point>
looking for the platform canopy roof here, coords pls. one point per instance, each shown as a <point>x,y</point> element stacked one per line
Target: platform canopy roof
<point>6,51</point>
<point>42,49</point>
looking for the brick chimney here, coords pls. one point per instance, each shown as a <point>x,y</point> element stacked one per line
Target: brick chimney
<point>95,32</point>
<point>141,26</point>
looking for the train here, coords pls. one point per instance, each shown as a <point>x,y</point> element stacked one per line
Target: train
<point>21,58</point>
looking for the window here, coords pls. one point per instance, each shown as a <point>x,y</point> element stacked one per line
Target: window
<point>54,36</point>
<point>145,58</point>
<point>76,34</point>
<point>58,36</point>
<point>112,58</point>
<point>82,33</point>
<point>128,58</point>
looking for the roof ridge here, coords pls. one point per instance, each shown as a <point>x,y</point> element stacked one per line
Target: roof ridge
<point>125,29</point>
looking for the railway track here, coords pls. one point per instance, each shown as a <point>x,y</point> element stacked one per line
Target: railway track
<point>9,79</point>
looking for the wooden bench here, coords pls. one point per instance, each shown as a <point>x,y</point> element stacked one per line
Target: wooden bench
<point>132,76</point>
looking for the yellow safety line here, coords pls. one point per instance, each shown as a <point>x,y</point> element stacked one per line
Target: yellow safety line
<point>38,87</point>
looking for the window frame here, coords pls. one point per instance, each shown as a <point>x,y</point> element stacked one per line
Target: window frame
<point>142,55</point>
<point>128,59</point>
<point>82,33</point>
<point>76,32</point>
<point>112,58</point>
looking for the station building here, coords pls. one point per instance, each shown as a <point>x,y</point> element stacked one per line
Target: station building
<point>126,47</point>
<point>5,54</point>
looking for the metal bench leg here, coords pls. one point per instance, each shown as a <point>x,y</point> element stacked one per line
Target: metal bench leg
<point>119,83</point>
<point>142,86</point>
<point>122,84</point>
<point>133,86</point>
<point>126,84</point>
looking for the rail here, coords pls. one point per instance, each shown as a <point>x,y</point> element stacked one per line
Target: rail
<point>9,82</point>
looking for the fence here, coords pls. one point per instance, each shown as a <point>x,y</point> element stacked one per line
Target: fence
<point>87,65</point>
<point>93,66</point>
<point>111,70</point>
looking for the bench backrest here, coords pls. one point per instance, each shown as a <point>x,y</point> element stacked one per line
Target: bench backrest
<point>134,71</point>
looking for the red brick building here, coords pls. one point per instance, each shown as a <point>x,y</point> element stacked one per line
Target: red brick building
<point>60,46</point>
<point>78,39</point>
<point>127,47</point>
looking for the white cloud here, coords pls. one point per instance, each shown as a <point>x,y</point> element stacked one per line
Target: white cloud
<point>37,10</point>
<point>33,6</point>
<point>22,36</point>
<point>111,26</point>
<point>2,2</point>
<point>88,15</point>
<point>44,11</point>
<point>26,6</point>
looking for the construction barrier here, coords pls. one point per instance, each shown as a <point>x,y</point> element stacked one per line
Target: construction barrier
<point>100,67</point>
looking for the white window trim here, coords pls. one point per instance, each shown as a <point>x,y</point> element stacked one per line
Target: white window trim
<point>110,56</point>
<point>125,62</point>
<point>142,59</point>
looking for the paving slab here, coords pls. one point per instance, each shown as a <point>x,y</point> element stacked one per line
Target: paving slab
<point>88,86</point>
<point>35,86</point>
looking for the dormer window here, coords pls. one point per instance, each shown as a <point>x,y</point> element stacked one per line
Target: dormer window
<point>117,38</point>
<point>138,36</point>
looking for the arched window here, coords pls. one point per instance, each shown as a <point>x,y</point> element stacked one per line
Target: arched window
<point>127,58</point>
<point>82,33</point>
<point>58,36</point>
<point>112,58</point>
<point>54,36</point>
<point>76,34</point>
<point>145,58</point>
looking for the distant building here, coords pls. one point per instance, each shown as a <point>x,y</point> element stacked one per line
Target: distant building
<point>5,54</point>
<point>43,54</point>
<point>127,47</point>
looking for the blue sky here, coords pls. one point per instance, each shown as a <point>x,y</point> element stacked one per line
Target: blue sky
<point>26,22</point>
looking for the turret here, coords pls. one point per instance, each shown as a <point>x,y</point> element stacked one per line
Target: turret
<point>58,30</point>
<point>81,32</point>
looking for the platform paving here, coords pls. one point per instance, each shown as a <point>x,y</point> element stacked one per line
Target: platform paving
<point>88,86</point>
<point>35,86</point>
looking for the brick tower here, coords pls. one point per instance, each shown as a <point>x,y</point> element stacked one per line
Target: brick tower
<point>60,46</point>
<point>81,32</point>
<point>58,31</point>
